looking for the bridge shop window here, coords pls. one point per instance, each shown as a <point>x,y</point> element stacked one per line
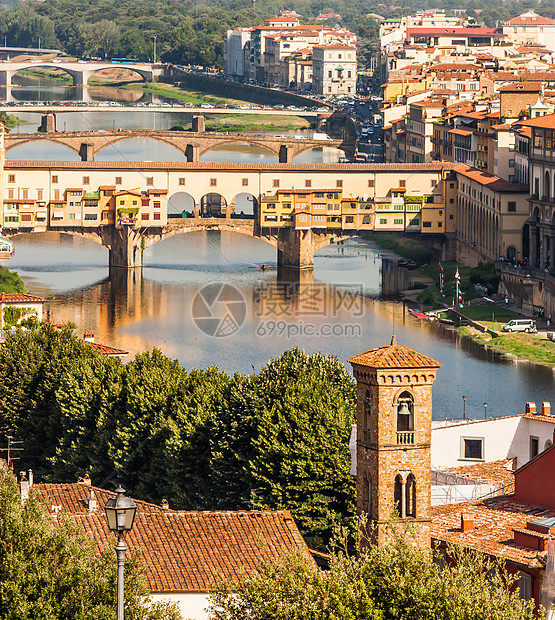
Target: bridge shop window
<point>118,181</point>
<point>54,178</point>
<point>181,180</point>
<point>213,182</point>
<point>402,183</point>
<point>308,183</point>
<point>244,182</point>
<point>339,183</point>
<point>275,182</point>
<point>150,180</point>
<point>86,180</point>
<point>370,182</point>
<point>145,216</point>
<point>11,178</point>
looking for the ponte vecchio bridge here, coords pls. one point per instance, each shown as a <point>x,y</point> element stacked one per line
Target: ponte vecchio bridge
<point>34,187</point>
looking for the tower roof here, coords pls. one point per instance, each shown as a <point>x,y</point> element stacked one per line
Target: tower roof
<point>394,356</point>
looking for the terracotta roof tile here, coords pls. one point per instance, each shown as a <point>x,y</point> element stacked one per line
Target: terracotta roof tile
<point>394,356</point>
<point>106,350</point>
<point>17,298</point>
<point>494,521</point>
<point>185,551</point>
<point>494,471</point>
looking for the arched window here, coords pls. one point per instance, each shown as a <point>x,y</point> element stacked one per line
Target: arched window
<point>405,412</point>
<point>547,185</point>
<point>548,444</point>
<point>410,502</point>
<point>398,496</point>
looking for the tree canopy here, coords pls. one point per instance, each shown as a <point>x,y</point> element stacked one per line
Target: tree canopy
<point>200,439</point>
<point>376,583</point>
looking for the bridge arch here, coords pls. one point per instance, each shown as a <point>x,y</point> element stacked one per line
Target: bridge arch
<point>270,154</point>
<point>179,203</point>
<point>244,205</point>
<point>130,149</point>
<point>42,150</point>
<point>325,155</point>
<point>43,65</point>
<point>213,205</point>
<point>146,76</point>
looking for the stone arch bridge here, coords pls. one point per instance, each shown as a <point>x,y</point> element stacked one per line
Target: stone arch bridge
<point>192,144</point>
<point>79,71</point>
<point>295,248</point>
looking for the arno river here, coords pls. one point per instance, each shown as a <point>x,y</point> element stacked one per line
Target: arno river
<point>339,311</point>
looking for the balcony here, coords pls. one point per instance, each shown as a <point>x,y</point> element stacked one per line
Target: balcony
<point>405,438</point>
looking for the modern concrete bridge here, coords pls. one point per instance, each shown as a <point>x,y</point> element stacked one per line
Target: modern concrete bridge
<point>192,144</point>
<point>79,71</point>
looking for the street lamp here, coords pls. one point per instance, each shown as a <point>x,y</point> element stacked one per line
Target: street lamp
<point>485,410</point>
<point>464,407</point>
<point>120,513</point>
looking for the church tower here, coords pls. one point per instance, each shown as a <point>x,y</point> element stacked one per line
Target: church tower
<point>394,427</point>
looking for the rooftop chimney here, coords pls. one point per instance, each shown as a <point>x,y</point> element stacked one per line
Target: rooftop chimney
<point>86,479</point>
<point>93,505</point>
<point>467,522</point>
<point>88,337</point>
<point>165,504</point>
<point>530,408</point>
<point>24,486</point>
<point>546,408</point>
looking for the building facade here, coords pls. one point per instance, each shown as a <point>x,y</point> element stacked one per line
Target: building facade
<point>334,69</point>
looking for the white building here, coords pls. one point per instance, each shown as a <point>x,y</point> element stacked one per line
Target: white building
<point>234,51</point>
<point>529,27</point>
<point>334,69</point>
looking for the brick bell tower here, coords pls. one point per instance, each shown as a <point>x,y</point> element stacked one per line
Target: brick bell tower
<point>394,427</point>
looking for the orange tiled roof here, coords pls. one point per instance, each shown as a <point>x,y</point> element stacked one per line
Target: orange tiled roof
<point>494,521</point>
<point>496,471</point>
<point>17,298</point>
<point>394,356</point>
<point>544,122</point>
<point>529,19</point>
<point>105,349</point>
<point>493,182</point>
<point>185,551</point>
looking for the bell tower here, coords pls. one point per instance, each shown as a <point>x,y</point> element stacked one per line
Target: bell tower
<point>394,427</point>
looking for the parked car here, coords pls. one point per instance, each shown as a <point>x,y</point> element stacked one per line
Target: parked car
<point>521,325</point>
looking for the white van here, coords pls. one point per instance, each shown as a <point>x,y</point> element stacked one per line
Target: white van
<point>521,325</point>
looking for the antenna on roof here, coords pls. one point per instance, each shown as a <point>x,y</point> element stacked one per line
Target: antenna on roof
<point>12,446</point>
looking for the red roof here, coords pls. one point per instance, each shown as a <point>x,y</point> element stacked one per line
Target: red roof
<point>460,32</point>
<point>106,350</point>
<point>530,18</point>
<point>18,298</point>
<point>184,551</point>
<point>394,356</point>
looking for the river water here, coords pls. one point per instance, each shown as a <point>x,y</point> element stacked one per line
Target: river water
<point>339,310</point>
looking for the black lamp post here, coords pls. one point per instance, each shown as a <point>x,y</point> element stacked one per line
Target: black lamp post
<point>464,407</point>
<point>485,410</point>
<point>120,512</point>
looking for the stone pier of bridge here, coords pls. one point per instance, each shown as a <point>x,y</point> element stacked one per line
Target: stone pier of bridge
<point>295,248</point>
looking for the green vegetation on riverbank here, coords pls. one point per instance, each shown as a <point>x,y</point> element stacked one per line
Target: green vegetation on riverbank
<point>407,247</point>
<point>175,92</point>
<point>524,346</point>
<point>10,282</point>
<point>253,123</point>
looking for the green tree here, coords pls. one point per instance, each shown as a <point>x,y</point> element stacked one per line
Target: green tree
<point>10,282</point>
<point>49,570</point>
<point>377,583</point>
<point>282,442</point>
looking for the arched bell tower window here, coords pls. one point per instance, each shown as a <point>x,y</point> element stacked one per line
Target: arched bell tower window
<point>404,409</point>
<point>410,492</point>
<point>367,412</point>
<point>398,496</point>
